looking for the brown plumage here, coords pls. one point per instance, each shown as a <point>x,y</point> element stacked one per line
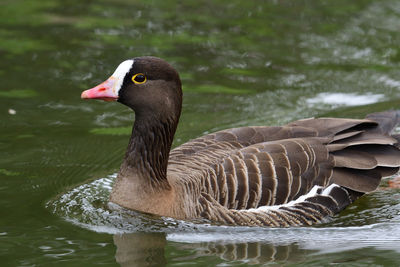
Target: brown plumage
<point>297,174</point>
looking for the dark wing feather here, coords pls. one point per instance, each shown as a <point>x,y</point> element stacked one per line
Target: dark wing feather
<point>270,173</point>
<point>246,168</point>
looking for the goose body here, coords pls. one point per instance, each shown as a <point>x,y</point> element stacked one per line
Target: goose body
<point>297,174</point>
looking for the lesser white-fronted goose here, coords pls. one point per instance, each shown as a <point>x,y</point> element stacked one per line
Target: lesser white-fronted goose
<point>297,174</point>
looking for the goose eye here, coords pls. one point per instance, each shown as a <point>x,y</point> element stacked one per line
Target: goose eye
<point>139,78</point>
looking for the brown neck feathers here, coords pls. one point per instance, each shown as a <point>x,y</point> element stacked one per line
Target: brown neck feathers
<point>148,150</point>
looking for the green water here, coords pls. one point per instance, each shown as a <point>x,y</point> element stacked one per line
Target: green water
<point>241,63</point>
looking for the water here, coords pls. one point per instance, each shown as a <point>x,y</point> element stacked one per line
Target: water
<point>241,63</point>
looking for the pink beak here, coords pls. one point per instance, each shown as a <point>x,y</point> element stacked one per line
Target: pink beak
<point>105,91</point>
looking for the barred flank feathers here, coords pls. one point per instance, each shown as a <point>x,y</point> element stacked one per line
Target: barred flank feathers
<point>261,175</point>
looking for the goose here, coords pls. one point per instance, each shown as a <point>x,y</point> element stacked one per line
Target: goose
<point>297,174</point>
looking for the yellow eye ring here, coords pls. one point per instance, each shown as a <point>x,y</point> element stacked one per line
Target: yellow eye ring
<point>139,78</point>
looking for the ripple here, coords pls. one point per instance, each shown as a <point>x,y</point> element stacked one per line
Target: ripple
<point>389,81</point>
<point>328,239</point>
<point>87,206</point>
<point>66,107</point>
<point>345,99</point>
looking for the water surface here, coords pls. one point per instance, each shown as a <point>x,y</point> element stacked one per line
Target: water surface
<point>241,63</point>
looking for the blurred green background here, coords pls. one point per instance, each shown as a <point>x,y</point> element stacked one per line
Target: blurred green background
<point>241,63</point>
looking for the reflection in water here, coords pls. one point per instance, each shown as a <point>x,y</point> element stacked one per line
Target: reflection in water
<point>140,249</point>
<point>250,253</point>
<point>156,249</point>
<point>148,249</point>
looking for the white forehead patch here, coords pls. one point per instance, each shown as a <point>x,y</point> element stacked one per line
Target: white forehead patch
<point>120,72</point>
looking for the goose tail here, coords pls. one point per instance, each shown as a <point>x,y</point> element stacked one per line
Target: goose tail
<point>386,120</point>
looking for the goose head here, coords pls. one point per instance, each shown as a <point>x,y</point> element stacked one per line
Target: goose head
<point>148,85</point>
<point>152,88</point>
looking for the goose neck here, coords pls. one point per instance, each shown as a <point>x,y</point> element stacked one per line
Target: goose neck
<point>148,150</point>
